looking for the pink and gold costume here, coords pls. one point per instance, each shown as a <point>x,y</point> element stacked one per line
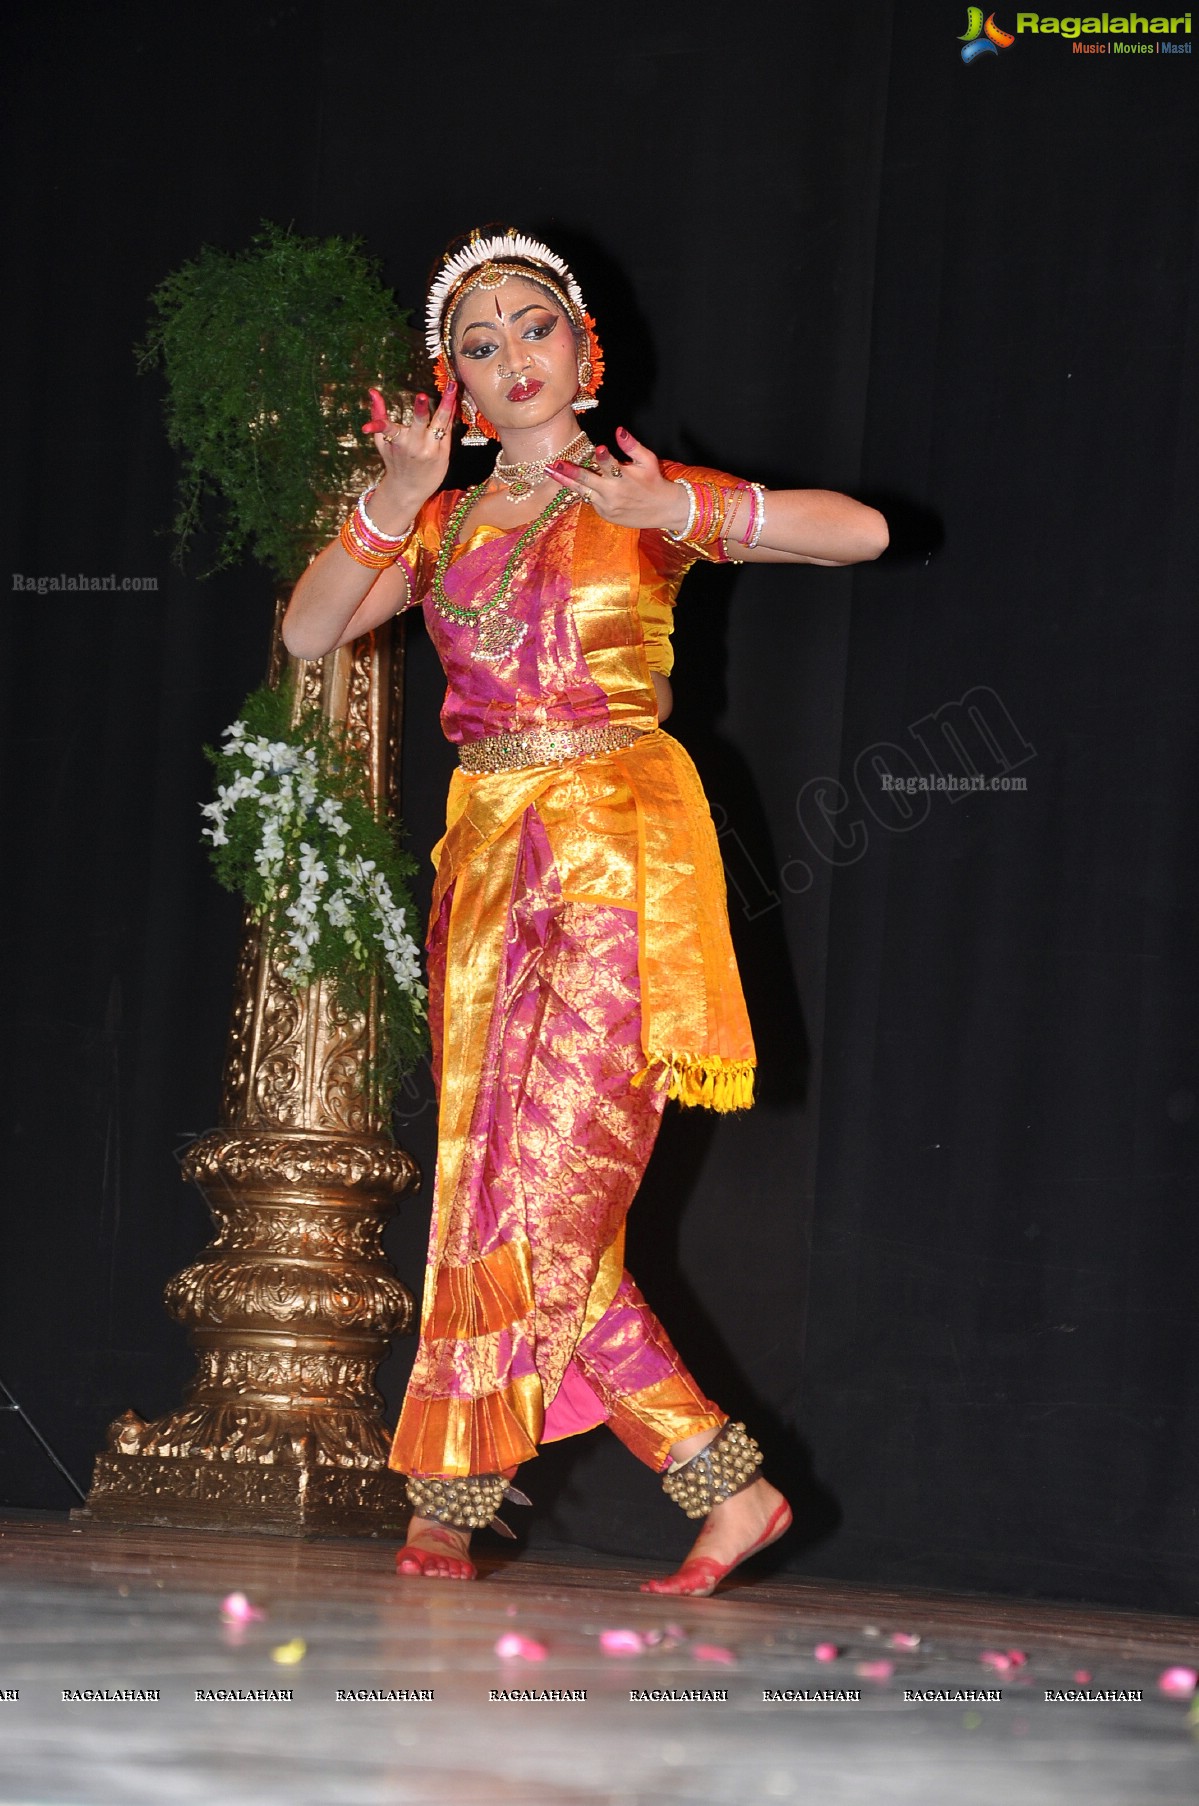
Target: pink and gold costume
<point>581,971</point>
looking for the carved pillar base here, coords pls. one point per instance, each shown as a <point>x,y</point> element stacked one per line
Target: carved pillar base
<point>191,1493</point>
<point>290,1310</point>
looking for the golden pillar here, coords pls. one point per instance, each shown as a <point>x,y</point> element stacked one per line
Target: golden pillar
<point>291,1306</point>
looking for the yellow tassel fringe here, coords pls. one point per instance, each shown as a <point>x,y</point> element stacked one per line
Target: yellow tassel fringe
<point>712,1084</point>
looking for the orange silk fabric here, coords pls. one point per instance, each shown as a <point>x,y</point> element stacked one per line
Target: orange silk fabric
<point>630,828</point>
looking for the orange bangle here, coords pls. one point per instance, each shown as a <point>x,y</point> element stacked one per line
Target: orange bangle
<point>352,543</point>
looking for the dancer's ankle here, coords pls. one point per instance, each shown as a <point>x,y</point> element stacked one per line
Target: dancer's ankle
<point>690,1446</point>
<point>432,1531</point>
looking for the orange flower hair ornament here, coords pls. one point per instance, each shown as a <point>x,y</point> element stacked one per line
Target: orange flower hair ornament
<point>486,263</point>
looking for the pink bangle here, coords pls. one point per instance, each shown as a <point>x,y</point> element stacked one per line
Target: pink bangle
<point>369,530</point>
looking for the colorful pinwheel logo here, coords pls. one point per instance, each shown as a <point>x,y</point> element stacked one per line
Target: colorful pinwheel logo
<point>982,37</point>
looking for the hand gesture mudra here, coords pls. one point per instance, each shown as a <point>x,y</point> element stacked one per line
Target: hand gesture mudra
<point>633,494</point>
<point>415,449</point>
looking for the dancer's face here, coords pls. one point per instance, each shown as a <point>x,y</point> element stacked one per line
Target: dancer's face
<point>515,352</point>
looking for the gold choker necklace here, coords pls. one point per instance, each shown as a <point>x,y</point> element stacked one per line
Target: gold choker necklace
<point>521,480</point>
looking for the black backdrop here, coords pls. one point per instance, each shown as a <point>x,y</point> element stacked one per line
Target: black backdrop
<point>947,1267</point>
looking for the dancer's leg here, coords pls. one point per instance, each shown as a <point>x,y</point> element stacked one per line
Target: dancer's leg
<point>649,1398</point>
<point>560,1141</point>
<point>658,1411</point>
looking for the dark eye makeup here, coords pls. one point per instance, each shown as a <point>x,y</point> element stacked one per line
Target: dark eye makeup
<point>480,348</point>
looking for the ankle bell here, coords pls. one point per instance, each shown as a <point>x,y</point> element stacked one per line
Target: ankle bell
<point>466,1502</point>
<point>728,1464</point>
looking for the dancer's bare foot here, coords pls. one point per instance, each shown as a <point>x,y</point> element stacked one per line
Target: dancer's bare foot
<point>436,1550</point>
<point>733,1530</point>
<point>442,1551</point>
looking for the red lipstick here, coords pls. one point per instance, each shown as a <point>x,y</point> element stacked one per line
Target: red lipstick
<point>524,390</point>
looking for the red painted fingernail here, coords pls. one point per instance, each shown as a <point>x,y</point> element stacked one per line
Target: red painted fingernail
<point>564,465</point>
<point>421,405</point>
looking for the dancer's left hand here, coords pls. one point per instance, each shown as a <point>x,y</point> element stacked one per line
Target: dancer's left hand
<point>633,494</point>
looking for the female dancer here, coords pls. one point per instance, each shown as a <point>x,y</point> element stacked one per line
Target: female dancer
<point>580,966</point>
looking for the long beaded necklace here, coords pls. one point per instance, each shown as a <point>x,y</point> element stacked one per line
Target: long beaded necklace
<point>496,632</point>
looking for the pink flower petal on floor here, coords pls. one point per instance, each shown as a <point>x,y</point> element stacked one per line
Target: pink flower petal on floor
<point>1179,1683</point>
<point>236,1609</point>
<point>1017,1658</point>
<point>903,1639</point>
<point>713,1652</point>
<point>826,1652</point>
<point>525,1648</point>
<point>874,1671</point>
<point>676,1631</point>
<point>1082,1676</point>
<point>621,1642</point>
<point>998,1659</point>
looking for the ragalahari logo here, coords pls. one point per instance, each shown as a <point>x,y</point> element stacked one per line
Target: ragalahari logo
<point>982,37</point>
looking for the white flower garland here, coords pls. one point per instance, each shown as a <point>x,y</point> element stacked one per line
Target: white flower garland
<point>282,785</point>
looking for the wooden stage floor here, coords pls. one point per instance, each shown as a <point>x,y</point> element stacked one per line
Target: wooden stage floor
<point>90,1607</point>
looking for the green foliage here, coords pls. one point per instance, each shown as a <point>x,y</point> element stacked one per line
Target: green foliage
<point>294,830</point>
<point>267,356</point>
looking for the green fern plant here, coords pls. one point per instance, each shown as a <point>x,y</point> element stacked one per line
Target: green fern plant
<point>267,355</point>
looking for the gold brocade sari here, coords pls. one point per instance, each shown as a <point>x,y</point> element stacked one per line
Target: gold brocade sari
<point>581,970</point>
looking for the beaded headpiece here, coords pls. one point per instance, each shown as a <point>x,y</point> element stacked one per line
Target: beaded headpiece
<point>486,262</point>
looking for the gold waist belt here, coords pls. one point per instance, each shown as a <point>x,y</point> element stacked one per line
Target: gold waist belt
<point>542,746</point>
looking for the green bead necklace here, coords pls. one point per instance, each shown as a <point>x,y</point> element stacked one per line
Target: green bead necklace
<point>498,634</point>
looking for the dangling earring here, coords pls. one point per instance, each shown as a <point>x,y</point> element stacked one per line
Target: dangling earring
<point>582,400</point>
<point>470,413</point>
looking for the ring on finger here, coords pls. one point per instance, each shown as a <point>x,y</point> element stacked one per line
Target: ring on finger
<point>439,432</point>
<point>390,438</point>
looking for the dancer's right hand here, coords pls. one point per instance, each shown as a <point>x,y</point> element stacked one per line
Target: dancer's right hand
<point>415,456</point>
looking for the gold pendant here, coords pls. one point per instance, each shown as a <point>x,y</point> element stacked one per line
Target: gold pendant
<point>498,636</point>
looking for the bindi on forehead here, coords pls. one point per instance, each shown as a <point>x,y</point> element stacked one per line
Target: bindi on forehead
<point>461,328</point>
